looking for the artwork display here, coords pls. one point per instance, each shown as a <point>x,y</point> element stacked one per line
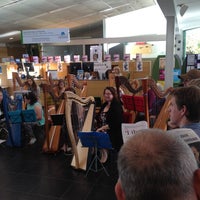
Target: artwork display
<point>96,53</point>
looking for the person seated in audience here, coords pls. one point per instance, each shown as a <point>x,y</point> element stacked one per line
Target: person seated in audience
<point>31,129</point>
<point>190,75</point>
<point>184,109</point>
<point>155,165</point>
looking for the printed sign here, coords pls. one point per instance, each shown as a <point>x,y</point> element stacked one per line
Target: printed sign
<point>58,35</point>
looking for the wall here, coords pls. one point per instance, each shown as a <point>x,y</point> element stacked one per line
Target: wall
<point>3,52</point>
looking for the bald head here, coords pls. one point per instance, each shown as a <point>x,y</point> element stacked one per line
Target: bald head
<point>156,165</point>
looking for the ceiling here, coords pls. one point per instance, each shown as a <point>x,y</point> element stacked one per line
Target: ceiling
<point>16,15</point>
<point>191,17</point>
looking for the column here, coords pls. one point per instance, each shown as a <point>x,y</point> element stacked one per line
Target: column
<point>170,62</point>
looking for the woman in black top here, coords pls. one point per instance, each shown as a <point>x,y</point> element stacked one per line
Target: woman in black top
<point>110,117</point>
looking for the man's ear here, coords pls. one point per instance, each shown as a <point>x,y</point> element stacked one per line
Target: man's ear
<point>197,183</point>
<point>119,191</point>
<point>184,110</point>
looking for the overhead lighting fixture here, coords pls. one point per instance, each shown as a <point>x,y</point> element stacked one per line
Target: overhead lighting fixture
<point>9,34</point>
<point>10,3</point>
<point>183,9</point>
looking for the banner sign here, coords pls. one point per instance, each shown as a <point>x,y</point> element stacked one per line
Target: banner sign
<point>58,35</point>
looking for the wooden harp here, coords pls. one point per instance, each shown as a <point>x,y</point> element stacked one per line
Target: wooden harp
<point>73,82</point>
<point>79,114</point>
<point>51,143</point>
<point>16,79</point>
<point>163,116</point>
<point>146,84</point>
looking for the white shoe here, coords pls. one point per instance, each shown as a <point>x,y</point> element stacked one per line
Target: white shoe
<point>104,155</point>
<point>32,141</point>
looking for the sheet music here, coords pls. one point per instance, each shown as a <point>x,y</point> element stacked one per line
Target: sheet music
<point>187,134</point>
<point>129,129</point>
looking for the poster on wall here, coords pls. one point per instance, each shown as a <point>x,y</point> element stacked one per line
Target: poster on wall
<point>127,57</point>
<point>102,68</point>
<point>67,58</point>
<point>116,57</point>
<point>84,58</point>
<point>76,58</point>
<point>59,67</point>
<point>162,69</point>
<point>44,59</point>
<point>35,59</point>
<point>80,74</point>
<point>138,60</point>
<point>50,59</point>
<point>96,53</point>
<point>57,59</point>
<point>26,57</point>
<point>107,57</point>
<point>126,66</point>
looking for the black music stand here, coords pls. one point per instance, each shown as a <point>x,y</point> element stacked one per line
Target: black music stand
<point>57,119</point>
<point>97,140</point>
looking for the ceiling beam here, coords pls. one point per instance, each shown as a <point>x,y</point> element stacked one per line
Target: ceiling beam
<point>143,38</point>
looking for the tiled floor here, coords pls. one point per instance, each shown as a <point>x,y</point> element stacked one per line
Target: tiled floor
<point>28,174</point>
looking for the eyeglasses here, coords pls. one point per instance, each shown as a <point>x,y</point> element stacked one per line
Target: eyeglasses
<point>107,93</point>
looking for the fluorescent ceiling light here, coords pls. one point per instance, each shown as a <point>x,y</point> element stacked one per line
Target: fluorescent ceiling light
<point>9,34</point>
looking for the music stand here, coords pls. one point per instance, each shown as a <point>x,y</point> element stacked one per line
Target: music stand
<point>57,119</point>
<point>97,140</point>
<point>29,116</point>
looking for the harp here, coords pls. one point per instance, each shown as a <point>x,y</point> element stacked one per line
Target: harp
<point>53,134</point>
<point>146,84</point>
<point>72,82</point>
<point>52,138</point>
<point>79,114</point>
<point>16,79</point>
<point>161,120</point>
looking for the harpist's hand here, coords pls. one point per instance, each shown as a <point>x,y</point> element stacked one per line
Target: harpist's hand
<point>103,128</point>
